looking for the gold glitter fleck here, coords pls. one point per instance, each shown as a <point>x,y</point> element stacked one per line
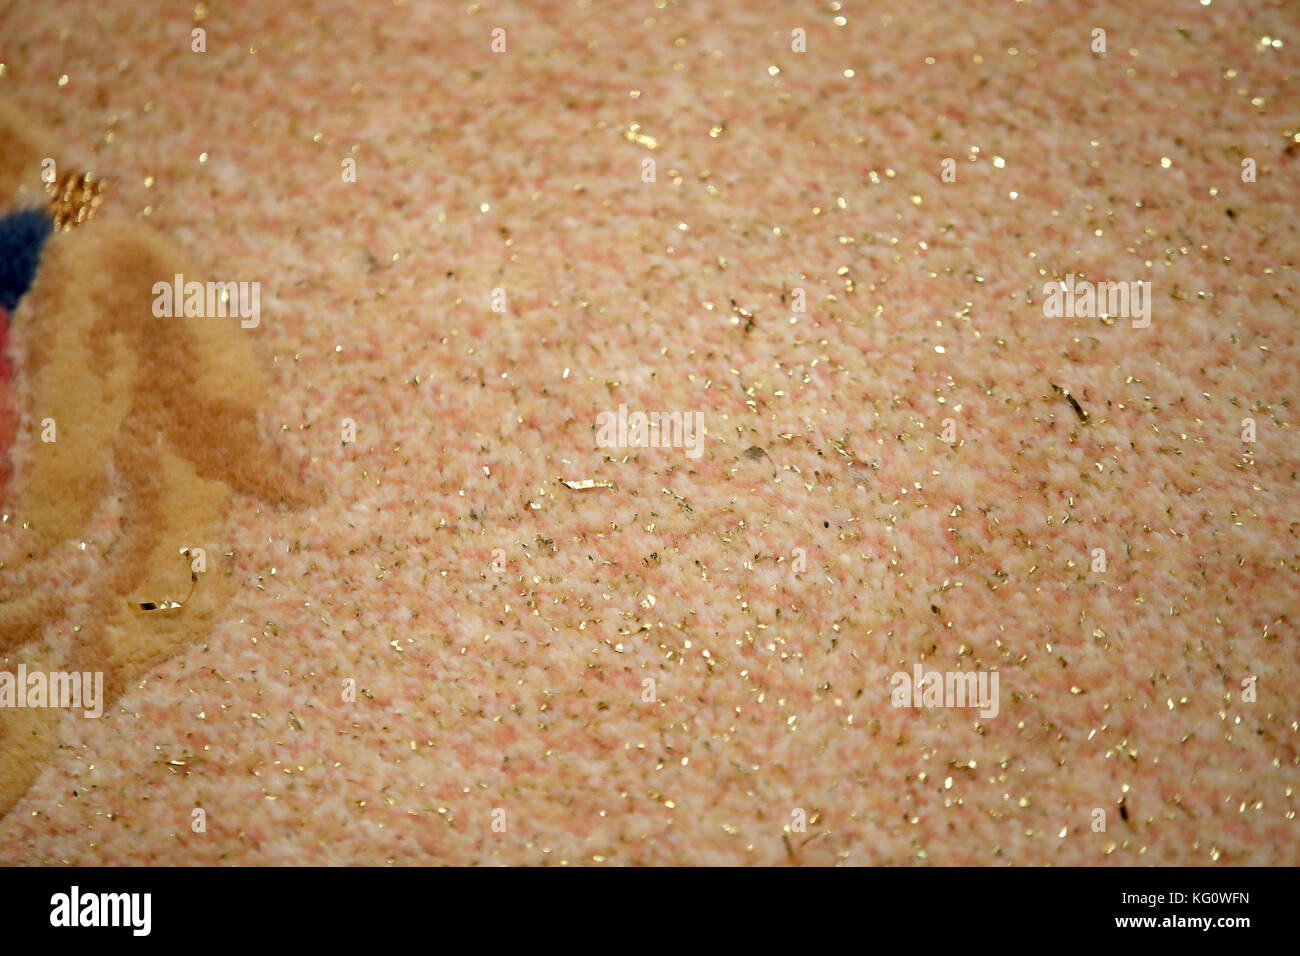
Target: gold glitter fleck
<point>633,134</point>
<point>585,484</point>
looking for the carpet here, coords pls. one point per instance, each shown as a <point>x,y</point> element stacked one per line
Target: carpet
<point>580,433</point>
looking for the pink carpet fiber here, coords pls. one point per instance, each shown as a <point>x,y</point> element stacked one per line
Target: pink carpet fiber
<point>831,230</point>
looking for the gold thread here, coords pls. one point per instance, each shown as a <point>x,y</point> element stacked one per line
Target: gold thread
<point>74,199</point>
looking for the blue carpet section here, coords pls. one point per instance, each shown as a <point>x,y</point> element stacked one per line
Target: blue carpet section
<point>22,237</point>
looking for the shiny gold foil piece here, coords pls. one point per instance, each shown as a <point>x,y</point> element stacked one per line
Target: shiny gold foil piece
<point>586,483</point>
